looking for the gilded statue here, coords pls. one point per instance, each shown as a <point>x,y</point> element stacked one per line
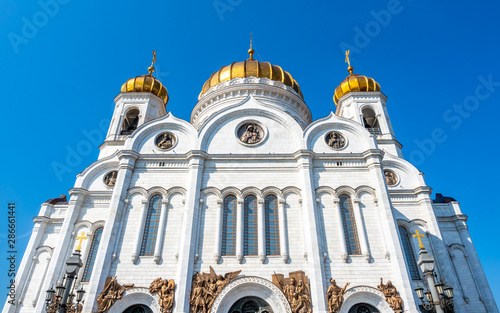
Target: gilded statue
<point>112,291</point>
<point>296,291</point>
<point>391,295</point>
<point>165,289</point>
<point>252,134</point>
<point>205,289</point>
<point>335,296</point>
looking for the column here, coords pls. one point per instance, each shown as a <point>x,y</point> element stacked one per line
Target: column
<point>239,230</point>
<point>63,243</point>
<point>218,231</point>
<point>338,215</point>
<point>373,158</point>
<point>363,240</point>
<point>261,231</point>
<point>474,263</point>
<point>110,234</point>
<point>189,230</point>
<point>161,231</point>
<point>316,270</point>
<point>283,231</point>
<point>140,231</point>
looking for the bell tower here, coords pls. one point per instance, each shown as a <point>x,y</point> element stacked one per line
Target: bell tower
<point>359,98</point>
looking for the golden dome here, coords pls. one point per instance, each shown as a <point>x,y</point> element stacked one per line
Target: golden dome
<point>355,82</point>
<point>147,83</point>
<point>251,68</point>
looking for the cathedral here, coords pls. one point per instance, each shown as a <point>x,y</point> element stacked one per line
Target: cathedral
<point>251,207</point>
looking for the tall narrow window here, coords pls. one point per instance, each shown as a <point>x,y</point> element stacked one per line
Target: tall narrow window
<point>272,226</point>
<point>409,255</point>
<point>92,254</point>
<point>130,122</point>
<point>349,222</point>
<point>250,230</point>
<point>229,226</point>
<point>151,227</point>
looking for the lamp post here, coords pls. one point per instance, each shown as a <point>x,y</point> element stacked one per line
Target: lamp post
<point>438,298</point>
<point>61,299</point>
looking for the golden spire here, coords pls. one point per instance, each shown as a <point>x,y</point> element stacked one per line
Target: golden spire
<point>151,69</point>
<point>419,236</point>
<point>250,51</point>
<point>350,68</point>
<point>81,238</point>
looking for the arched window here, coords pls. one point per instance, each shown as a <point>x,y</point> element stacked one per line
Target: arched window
<point>229,226</point>
<point>409,255</point>
<point>349,222</point>
<point>250,233</point>
<point>96,239</point>
<point>151,227</point>
<point>130,122</point>
<point>370,121</point>
<point>272,226</point>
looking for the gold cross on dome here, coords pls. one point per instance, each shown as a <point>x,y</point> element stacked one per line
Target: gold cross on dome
<point>349,68</point>
<point>419,236</point>
<point>81,238</point>
<point>151,69</point>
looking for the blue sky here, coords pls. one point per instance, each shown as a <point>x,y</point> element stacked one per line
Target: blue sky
<point>63,64</point>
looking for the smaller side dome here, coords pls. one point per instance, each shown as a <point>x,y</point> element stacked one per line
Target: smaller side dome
<point>354,82</point>
<point>147,83</point>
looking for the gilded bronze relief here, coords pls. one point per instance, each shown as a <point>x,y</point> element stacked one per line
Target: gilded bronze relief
<point>296,290</point>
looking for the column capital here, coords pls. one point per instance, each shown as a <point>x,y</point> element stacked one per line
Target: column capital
<point>220,203</point>
<point>260,201</point>
<point>240,202</point>
<point>281,201</point>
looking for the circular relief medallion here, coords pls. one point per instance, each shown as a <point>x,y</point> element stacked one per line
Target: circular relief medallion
<point>390,178</point>
<point>110,178</point>
<point>335,140</point>
<point>250,133</point>
<point>165,141</point>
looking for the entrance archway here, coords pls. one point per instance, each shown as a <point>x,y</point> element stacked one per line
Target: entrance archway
<point>252,288</point>
<point>251,305</point>
<point>138,308</point>
<point>363,308</point>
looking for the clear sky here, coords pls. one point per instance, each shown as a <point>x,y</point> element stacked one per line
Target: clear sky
<point>63,64</point>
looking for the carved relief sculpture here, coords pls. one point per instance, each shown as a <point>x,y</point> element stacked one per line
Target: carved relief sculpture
<point>165,289</point>
<point>165,141</point>
<point>206,287</point>
<point>335,140</point>
<point>112,291</point>
<point>390,178</point>
<point>250,133</point>
<point>296,290</point>
<point>391,295</point>
<point>110,178</point>
<point>335,296</point>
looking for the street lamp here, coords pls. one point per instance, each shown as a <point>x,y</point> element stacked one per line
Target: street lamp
<point>61,299</point>
<point>438,298</point>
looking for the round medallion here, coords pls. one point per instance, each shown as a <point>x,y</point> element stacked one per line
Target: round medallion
<point>165,141</point>
<point>390,178</point>
<point>250,133</point>
<point>110,178</point>
<point>335,140</point>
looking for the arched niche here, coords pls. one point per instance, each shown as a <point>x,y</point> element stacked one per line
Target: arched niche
<point>251,287</point>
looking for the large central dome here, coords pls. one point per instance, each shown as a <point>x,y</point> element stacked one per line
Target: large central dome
<point>251,68</point>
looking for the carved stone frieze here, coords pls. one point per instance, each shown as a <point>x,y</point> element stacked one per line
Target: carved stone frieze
<point>391,295</point>
<point>296,290</point>
<point>165,289</point>
<point>335,296</point>
<point>206,287</point>
<point>112,292</point>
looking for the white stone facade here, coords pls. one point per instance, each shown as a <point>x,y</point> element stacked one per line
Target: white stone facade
<point>293,162</point>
